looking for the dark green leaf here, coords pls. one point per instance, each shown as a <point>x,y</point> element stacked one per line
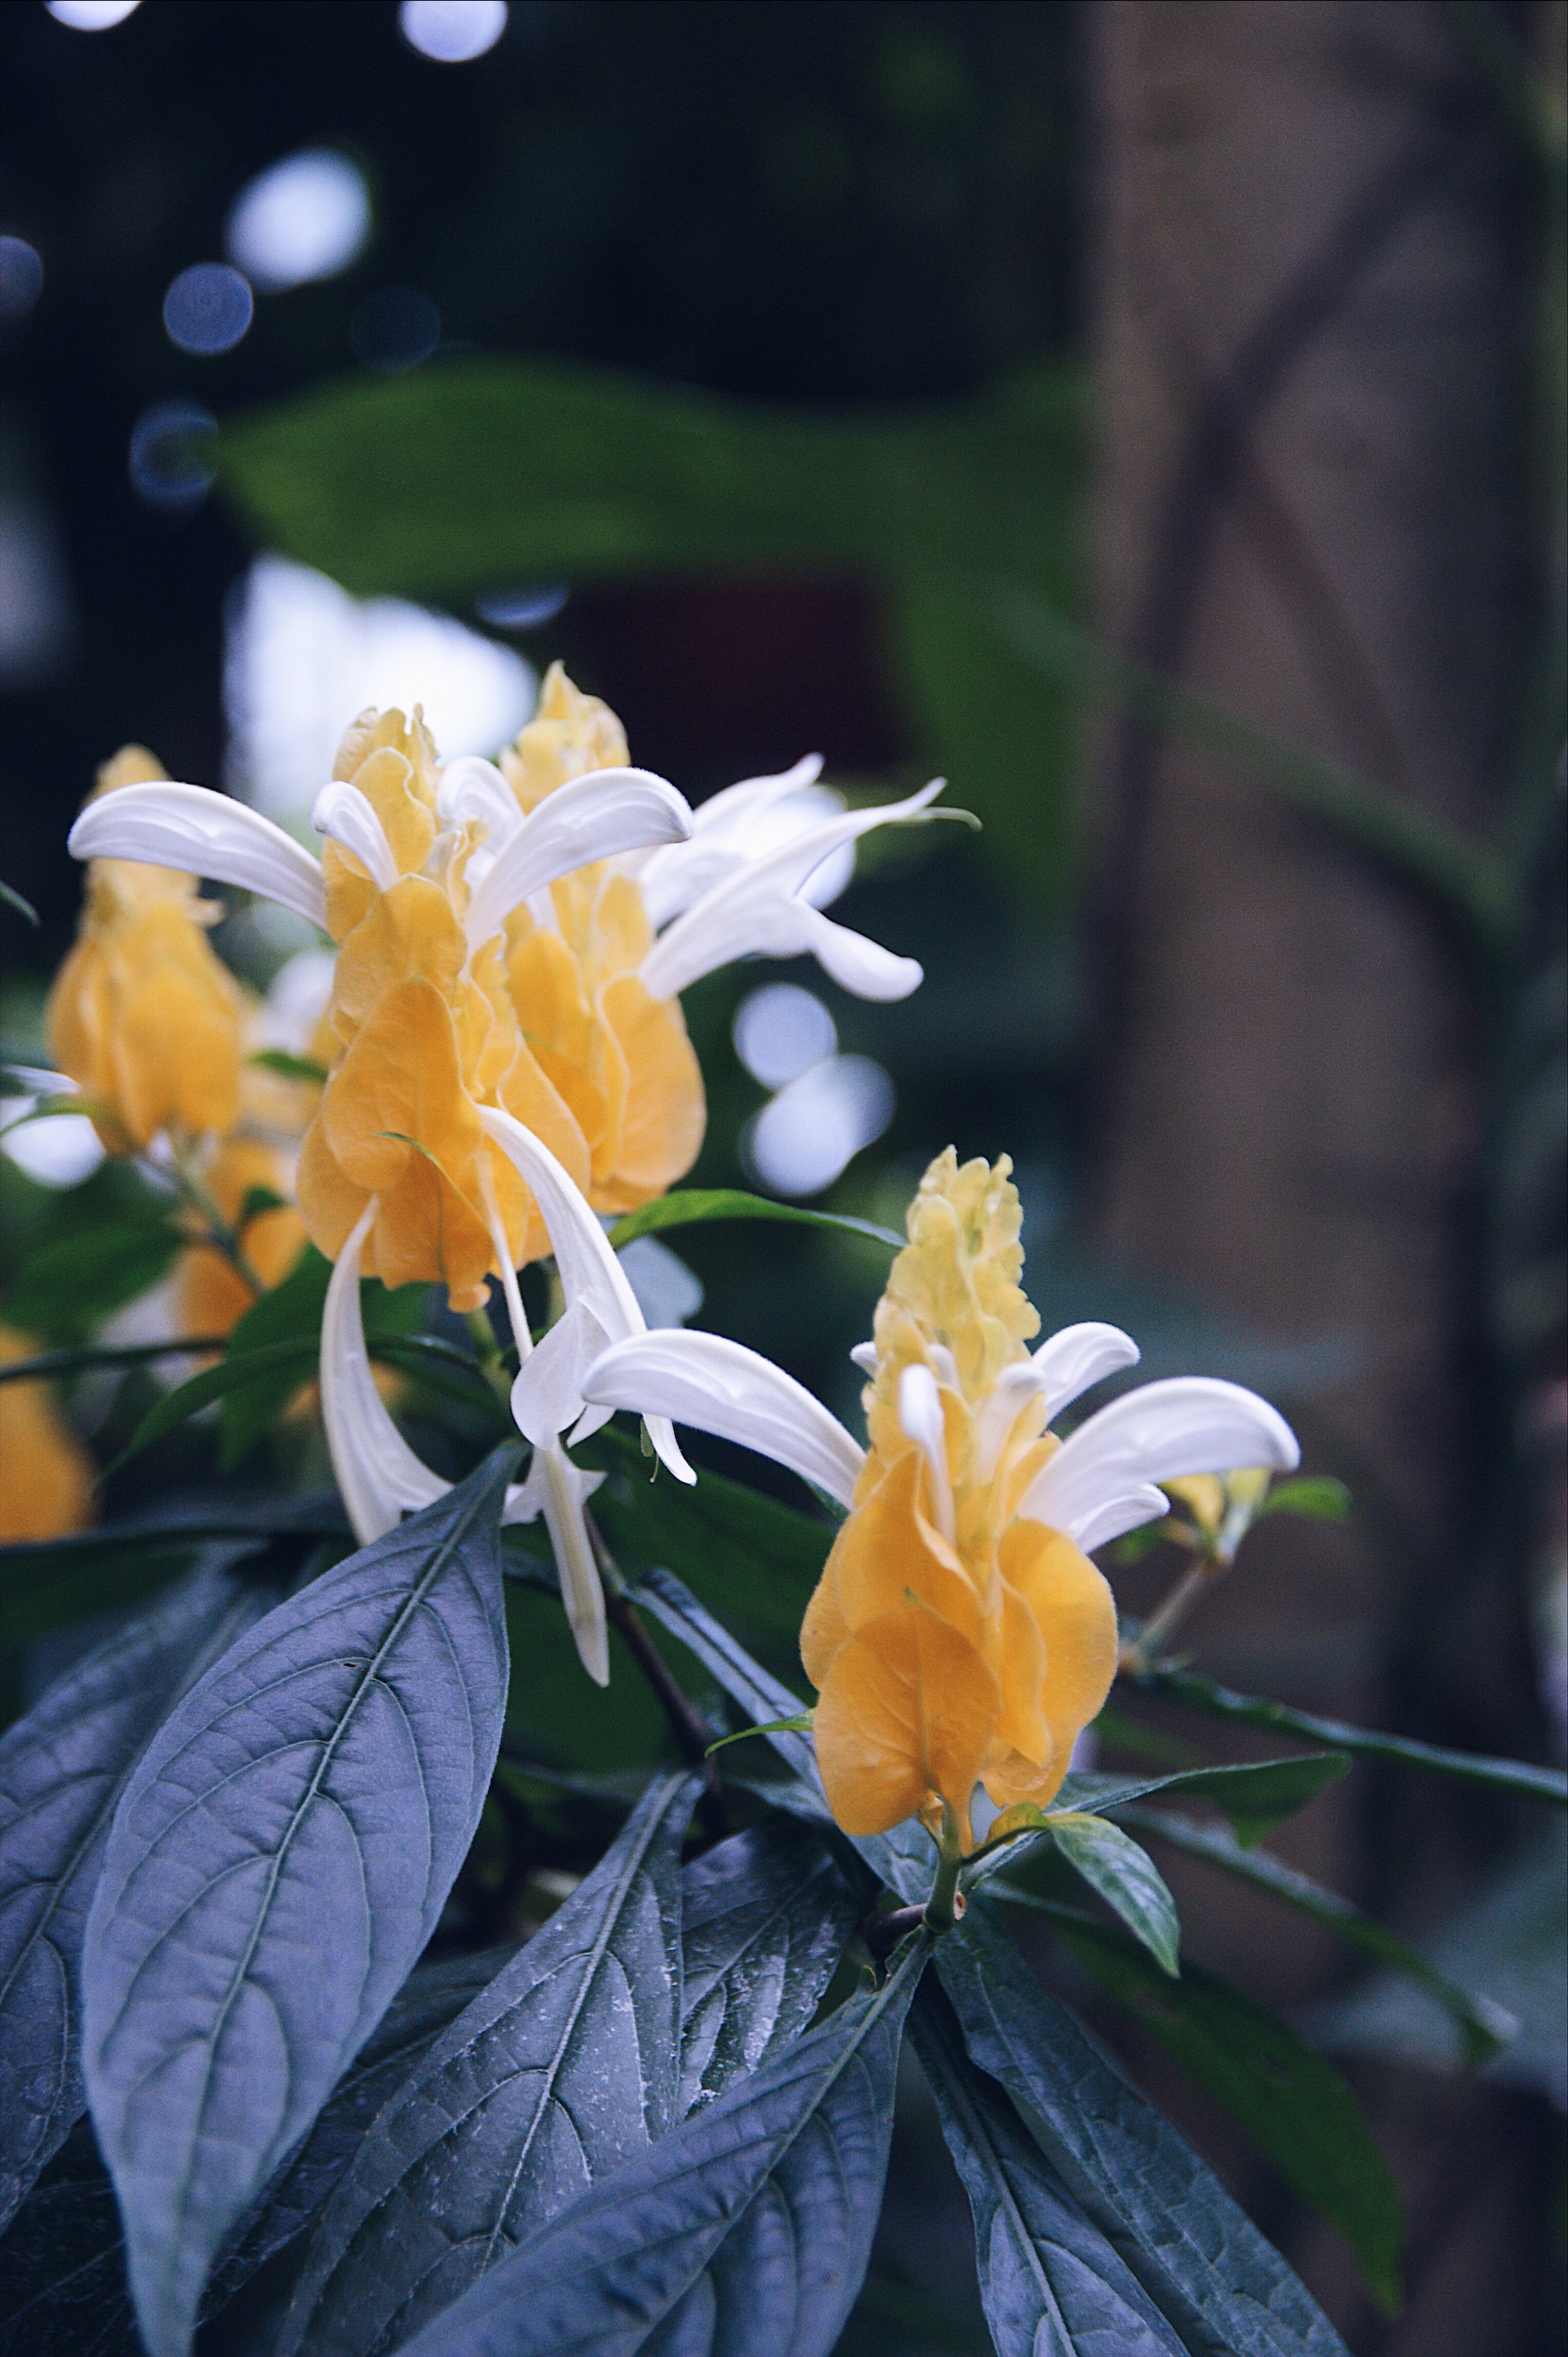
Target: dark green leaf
<point>288,1067</point>
<point>290,1313</point>
<point>62,1768</point>
<point>277,1368</point>
<point>1255,1797</point>
<point>800,1724</point>
<point>1052,2284</point>
<point>751,2221</point>
<point>257,1200</point>
<point>1204,1694</point>
<point>1483,2026</point>
<point>62,2270</point>
<point>1293,2103</point>
<point>1197,2255</point>
<point>277,1863</point>
<point>46,1365</point>
<point>11,898</point>
<point>565,2066</point>
<point>66,1287</point>
<point>696,1204</point>
<point>764,1919</point>
<point>1318,1496</point>
<point>1127,1879</point>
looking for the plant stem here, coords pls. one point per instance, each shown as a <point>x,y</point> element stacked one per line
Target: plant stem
<point>219,1234</point>
<point>1157,1630</point>
<point>488,1352</point>
<point>945,1905</point>
<point>692,1732</point>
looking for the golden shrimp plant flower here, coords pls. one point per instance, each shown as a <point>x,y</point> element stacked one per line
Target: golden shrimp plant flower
<point>143,1016</point>
<point>960,1635</point>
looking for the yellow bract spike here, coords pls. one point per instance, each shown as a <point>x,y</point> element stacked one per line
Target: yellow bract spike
<point>46,1475</point>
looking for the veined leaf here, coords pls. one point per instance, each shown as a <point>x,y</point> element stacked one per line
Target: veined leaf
<point>63,2272</point>
<point>1293,2104</point>
<point>1196,2252</point>
<point>276,1864</point>
<point>1052,2284</point>
<point>764,1919</point>
<point>1205,1694</point>
<point>62,1768</point>
<point>563,2067</point>
<point>1483,2027</point>
<point>690,1206</point>
<point>1127,1879</point>
<point>1255,1795</point>
<point>748,2228</point>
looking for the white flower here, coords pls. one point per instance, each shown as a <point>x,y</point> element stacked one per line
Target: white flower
<point>1099,1484</point>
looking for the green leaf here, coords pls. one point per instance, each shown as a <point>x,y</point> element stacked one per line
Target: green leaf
<point>11,898</point>
<point>693,1205</point>
<point>1318,1496</point>
<point>54,1365</point>
<point>1466,874</point>
<point>67,1287</point>
<point>749,2226</point>
<point>476,470</point>
<point>1294,2105</point>
<point>1484,2028</point>
<point>1255,1797</point>
<point>1197,2255</point>
<point>558,2071</point>
<point>290,1314</point>
<point>288,1067</point>
<point>1127,1879</point>
<point>1052,2284</point>
<point>275,1367</point>
<point>800,1724</point>
<point>764,1917</point>
<point>1204,1694</point>
<point>257,1200</point>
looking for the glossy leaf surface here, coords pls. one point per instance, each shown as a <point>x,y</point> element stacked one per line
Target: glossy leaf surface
<point>276,1865</point>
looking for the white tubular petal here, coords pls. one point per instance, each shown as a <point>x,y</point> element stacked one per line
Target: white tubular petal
<point>759,910</point>
<point>378,1472</point>
<point>920,1414</point>
<point>592,817</point>
<point>1119,1515</point>
<point>1078,1356</point>
<point>204,834</point>
<point>1192,1423</point>
<point>865,1357</point>
<point>349,817</point>
<point>558,1489</point>
<point>859,965</point>
<point>728,830</point>
<point>590,1271</point>
<point>547,1395</point>
<point>472,788</point>
<point>721,1387</point>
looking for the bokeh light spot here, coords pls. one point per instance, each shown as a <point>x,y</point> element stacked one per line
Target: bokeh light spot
<point>781,1031</point>
<point>452,31</point>
<point>91,15</point>
<point>303,218</point>
<point>21,278</point>
<point>802,1139</point>
<point>208,308</point>
<point>394,328</point>
<point>524,608</point>
<point>170,459</point>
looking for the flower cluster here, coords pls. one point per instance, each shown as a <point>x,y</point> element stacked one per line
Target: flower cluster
<point>503,1063</point>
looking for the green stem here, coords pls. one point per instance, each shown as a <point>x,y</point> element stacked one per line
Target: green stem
<point>1167,1615</point>
<point>221,1234</point>
<point>945,1905</point>
<point>488,1352</point>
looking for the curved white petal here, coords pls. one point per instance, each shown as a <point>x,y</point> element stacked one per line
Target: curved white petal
<point>473,787</point>
<point>1078,1357</point>
<point>378,1472</point>
<point>761,910</point>
<point>559,1489</point>
<point>209,835</point>
<point>1192,1423</point>
<point>1119,1515</point>
<point>591,817</point>
<point>920,1414</point>
<point>721,1387</point>
<point>730,828</point>
<point>351,819</point>
<point>547,1394</point>
<point>590,1271</point>
<point>858,964</point>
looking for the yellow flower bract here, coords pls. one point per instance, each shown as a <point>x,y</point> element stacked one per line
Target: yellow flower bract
<point>46,1475</point>
<point>143,1015</point>
<point>550,1023</point>
<point>954,1644</point>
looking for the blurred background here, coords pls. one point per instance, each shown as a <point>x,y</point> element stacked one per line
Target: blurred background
<point>1146,413</point>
